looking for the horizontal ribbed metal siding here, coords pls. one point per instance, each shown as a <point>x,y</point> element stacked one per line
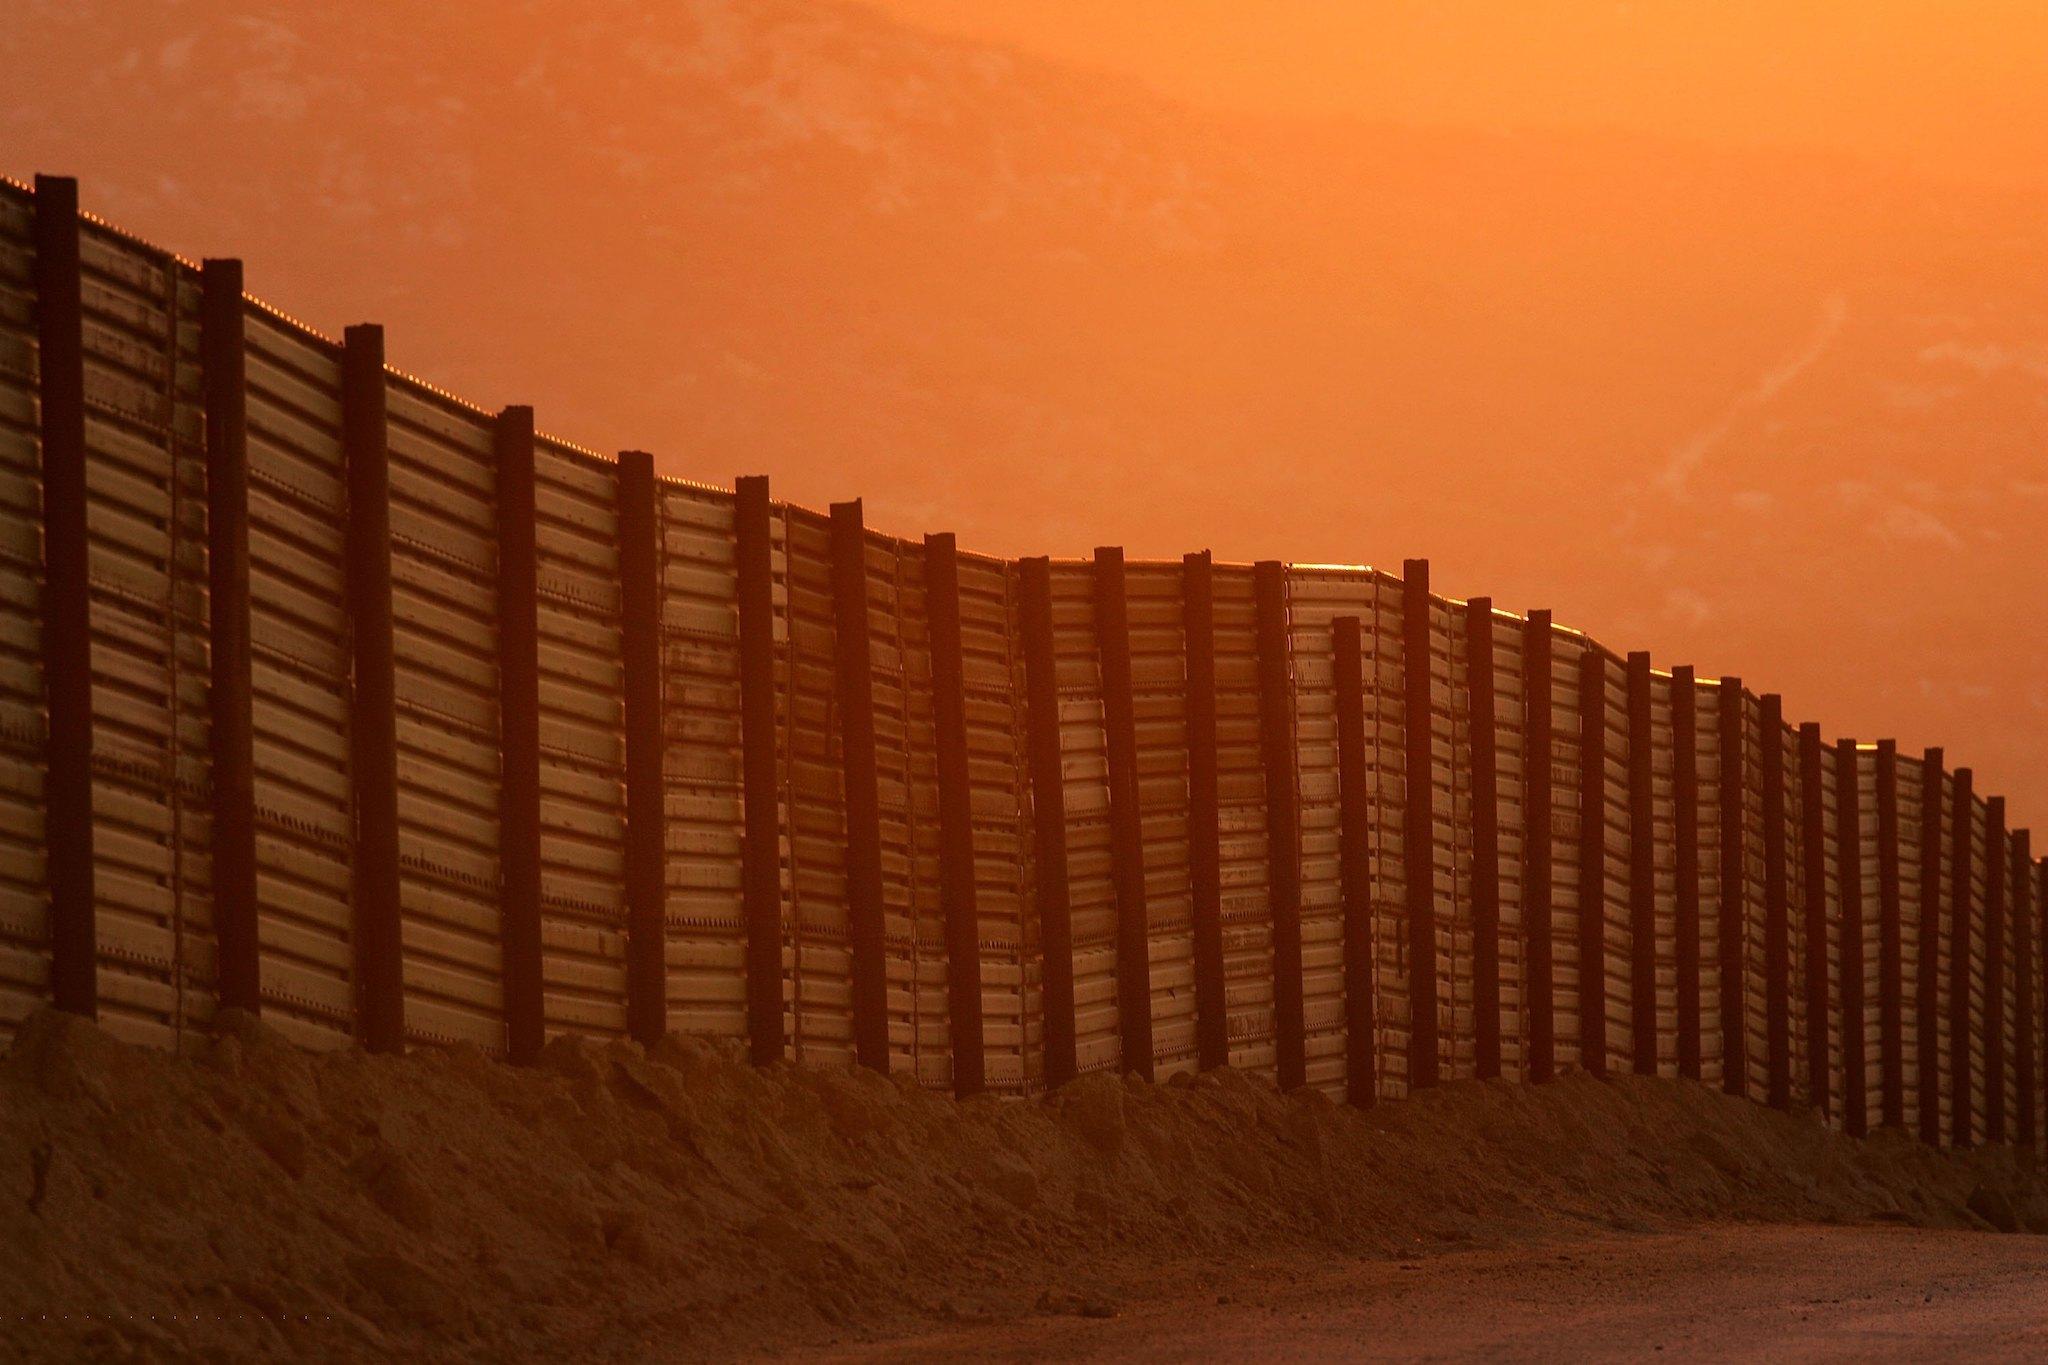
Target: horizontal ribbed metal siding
<point>582,743</point>
<point>1566,757</point>
<point>444,564</point>
<point>1510,714</point>
<point>1707,764</point>
<point>1159,704</point>
<point>24,894</point>
<point>1241,822</point>
<point>1615,830</point>
<point>1450,778</point>
<point>1084,763</point>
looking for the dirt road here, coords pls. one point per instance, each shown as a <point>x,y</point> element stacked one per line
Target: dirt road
<point>1799,1293</point>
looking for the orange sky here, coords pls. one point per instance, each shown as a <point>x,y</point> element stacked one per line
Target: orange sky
<point>1950,86</point>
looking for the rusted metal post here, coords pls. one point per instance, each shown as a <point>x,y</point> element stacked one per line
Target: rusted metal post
<point>1813,876</point>
<point>2022,866</point>
<point>1418,823</point>
<point>1540,1057</point>
<point>1849,876</point>
<point>519,735</point>
<point>1927,932</point>
<point>67,600</point>
<point>1483,745</point>
<point>1283,819</point>
<point>373,721</point>
<point>1961,1071</point>
<point>1354,860</point>
<point>230,700</point>
<point>1891,961</point>
<point>1205,838</point>
<point>646,836</point>
<point>1048,820</point>
<point>1685,802</point>
<point>1733,913</point>
<point>761,849</point>
<point>1994,969</point>
<point>852,655</point>
<point>1126,819</point>
<point>956,814</point>
<point>1593,861</point>
<point>1777,921</point>
<point>1642,869</point>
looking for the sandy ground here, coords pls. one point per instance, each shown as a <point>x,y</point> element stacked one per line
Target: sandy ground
<point>1713,1293</point>
<point>251,1201</point>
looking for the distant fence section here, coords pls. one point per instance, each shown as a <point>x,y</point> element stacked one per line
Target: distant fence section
<point>325,694</point>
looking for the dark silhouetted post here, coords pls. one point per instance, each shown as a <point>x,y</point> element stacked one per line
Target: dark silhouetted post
<point>1994,969</point>
<point>1961,1073</point>
<point>761,850</point>
<point>1479,725</point>
<point>1734,909</point>
<point>230,701</point>
<point>1048,819</point>
<point>1685,802</point>
<point>864,909</point>
<point>1354,857</point>
<point>1283,819</point>
<point>1126,819</point>
<point>1205,855</point>
<point>67,600</point>
<point>646,841</point>
<point>1891,961</point>
<point>1642,869</point>
<point>1849,875</point>
<point>956,814</point>
<point>1777,925</point>
<point>1593,861</point>
<point>1418,823</point>
<point>1537,856</point>
<point>519,735</point>
<point>373,727</point>
<point>1927,993</point>
<point>1814,875</point>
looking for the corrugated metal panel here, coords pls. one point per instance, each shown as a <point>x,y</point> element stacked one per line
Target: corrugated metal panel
<point>819,951</point>
<point>1980,865</point>
<point>24,895</point>
<point>1510,712</point>
<point>1241,821</point>
<point>1619,938</point>
<point>1871,895</point>
<point>445,638</point>
<point>1830,1025</point>
<point>1795,911</point>
<point>1451,776</point>
<point>1378,604</point>
<point>1565,824</point>
<point>1707,761</point>
<point>1756,1021</point>
<point>299,665</point>
<point>705,941</point>
<point>146,490</point>
<point>582,743</point>
<point>1664,836</point>
<point>1085,762</point>
<point>993,656</point>
<point>1914,957</point>
<point>1159,709</point>
<point>907,757</point>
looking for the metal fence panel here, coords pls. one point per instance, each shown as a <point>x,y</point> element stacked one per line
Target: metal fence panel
<point>1160,713</point>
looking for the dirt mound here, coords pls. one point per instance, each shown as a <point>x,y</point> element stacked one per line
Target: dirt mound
<point>621,1202</point>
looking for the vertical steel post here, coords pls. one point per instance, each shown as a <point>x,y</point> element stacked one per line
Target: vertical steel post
<point>1849,877</point>
<point>1777,911</point>
<point>1961,1071</point>
<point>1891,964</point>
<point>1685,801</point>
<point>859,767</point>
<point>230,698</point>
<point>1483,744</point>
<point>1994,970</point>
<point>1354,857</point>
<point>1126,818</point>
<point>2025,1053</point>
<point>1642,869</point>
<point>1205,839</point>
<point>1283,819</point>
<point>1813,876</point>
<point>1418,823</point>
<point>761,849</point>
<point>1593,861</point>
<point>373,722</point>
<point>1540,1060</point>
<point>1048,820</point>
<point>1733,914</point>
<point>1927,932</point>
<point>519,735</point>
<point>956,814</point>
<point>67,600</point>
<point>646,837</point>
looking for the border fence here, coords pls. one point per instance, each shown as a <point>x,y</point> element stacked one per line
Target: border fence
<point>325,694</point>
